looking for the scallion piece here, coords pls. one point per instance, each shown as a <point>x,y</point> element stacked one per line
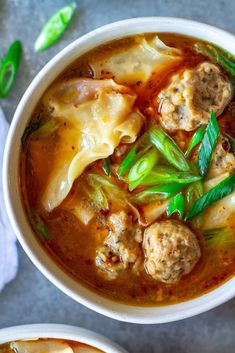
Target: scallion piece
<point>164,175</point>
<point>55,27</point>
<point>106,166</point>
<point>193,192</point>
<point>8,68</point>
<point>156,193</point>
<point>224,59</point>
<point>176,205</point>
<point>169,149</point>
<point>210,197</point>
<point>196,139</point>
<point>132,156</point>
<point>142,168</point>
<point>208,144</point>
<point>41,228</point>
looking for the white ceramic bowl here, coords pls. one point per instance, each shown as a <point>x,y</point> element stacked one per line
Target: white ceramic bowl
<point>73,333</point>
<point>14,206</point>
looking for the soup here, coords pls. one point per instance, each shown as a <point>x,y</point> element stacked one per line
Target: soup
<point>127,169</point>
<point>47,345</point>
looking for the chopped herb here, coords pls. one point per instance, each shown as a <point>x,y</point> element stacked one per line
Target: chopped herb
<point>196,139</point>
<point>55,27</point>
<point>9,65</point>
<point>208,144</point>
<point>106,166</point>
<point>176,205</point>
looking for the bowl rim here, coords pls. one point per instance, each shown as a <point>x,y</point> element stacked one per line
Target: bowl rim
<point>77,291</point>
<point>60,331</point>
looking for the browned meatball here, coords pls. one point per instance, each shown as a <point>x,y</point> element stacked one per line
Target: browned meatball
<point>187,102</point>
<point>171,250</point>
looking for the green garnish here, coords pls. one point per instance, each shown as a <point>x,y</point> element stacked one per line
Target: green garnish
<point>142,168</point>
<point>231,141</point>
<point>208,144</point>
<point>133,156</point>
<point>196,139</point>
<point>176,205</point>
<point>210,197</point>
<point>219,236</point>
<point>193,192</point>
<point>156,193</point>
<point>164,174</point>
<point>222,58</point>
<point>106,166</point>
<point>55,27</point>
<point>169,149</point>
<point>41,228</point>
<point>9,65</point>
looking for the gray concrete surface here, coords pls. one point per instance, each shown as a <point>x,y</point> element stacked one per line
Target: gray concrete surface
<point>31,298</point>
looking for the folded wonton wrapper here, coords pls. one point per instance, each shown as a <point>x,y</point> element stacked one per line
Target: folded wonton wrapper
<point>96,116</point>
<point>137,62</point>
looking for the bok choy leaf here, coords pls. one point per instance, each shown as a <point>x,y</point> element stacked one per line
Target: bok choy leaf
<point>221,190</point>
<point>219,236</point>
<point>208,144</point>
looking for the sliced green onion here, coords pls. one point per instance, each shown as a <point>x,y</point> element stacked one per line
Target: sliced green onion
<point>224,59</point>
<point>106,166</point>
<point>231,141</point>
<point>208,144</point>
<point>164,174</point>
<point>55,27</point>
<point>176,205</point>
<point>169,149</point>
<point>193,192</point>
<point>156,193</point>
<point>196,139</point>
<point>215,194</point>
<point>219,236</point>
<point>132,156</point>
<point>8,68</point>
<point>141,168</point>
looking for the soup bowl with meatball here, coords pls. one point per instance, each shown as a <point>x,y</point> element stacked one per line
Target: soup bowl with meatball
<point>119,169</point>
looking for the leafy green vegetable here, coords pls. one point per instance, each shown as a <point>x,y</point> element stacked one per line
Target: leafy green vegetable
<point>133,156</point>
<point>231,141</point>
<point>176,205</point>
<point>106,166</point>
<point>142,168</point>
<point>196,139</point>
<point>208,144</point>
<point>100,190</point>
<point>55,27</point>
<point>219,236</point>
<point>45,130</point>
<point>164,174</point>
<point>169,149</point>
<point>8,68</point>
<point>156,193</point>
<point>222,58</point>
<point>221,190</point>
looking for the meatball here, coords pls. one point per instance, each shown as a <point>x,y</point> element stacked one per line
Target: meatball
<point>223,160</point>
<point>121,248</point>
<point>187,102</point>
<point>171,250</point>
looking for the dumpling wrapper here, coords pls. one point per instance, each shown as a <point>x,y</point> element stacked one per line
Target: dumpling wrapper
<point>41,346</point>
<point>95,115</point>
<point>136,63</point>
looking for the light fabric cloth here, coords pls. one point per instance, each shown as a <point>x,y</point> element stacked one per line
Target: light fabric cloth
<point>8,249</point>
